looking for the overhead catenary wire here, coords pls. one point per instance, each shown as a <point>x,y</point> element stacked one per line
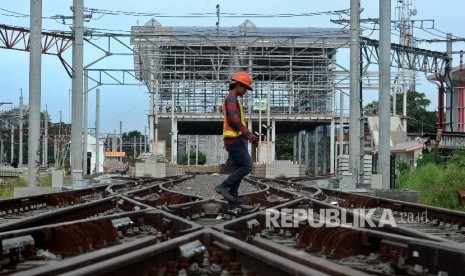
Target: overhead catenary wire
<point>222,14</point>
<point>103,12</point>
<point>13,13</point>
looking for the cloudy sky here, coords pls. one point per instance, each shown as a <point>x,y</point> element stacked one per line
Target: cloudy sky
<point>129,104</point>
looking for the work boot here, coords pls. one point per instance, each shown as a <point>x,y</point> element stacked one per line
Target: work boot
<point>241,200</point>
<point>224,191</point>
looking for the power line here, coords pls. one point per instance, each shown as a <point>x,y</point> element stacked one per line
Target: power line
<point>13,13</point>
<point>223,14</point>
<point>186,15</point>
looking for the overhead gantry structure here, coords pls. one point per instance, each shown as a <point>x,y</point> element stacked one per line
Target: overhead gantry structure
<point>189,69</point>
<point>17,38</point>
<point>294,70</point>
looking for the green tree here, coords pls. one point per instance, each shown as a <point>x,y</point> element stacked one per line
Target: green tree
<point>9,118</point>
<point>128,142</point>
<point>419,120</point>
<point>371,109</point>
<point>202,159</point>
<point>284,147</point>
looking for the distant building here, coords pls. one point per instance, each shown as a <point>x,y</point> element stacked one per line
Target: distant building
<point>92,156</point>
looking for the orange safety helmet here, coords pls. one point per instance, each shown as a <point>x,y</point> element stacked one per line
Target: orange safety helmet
<point>244,78</point>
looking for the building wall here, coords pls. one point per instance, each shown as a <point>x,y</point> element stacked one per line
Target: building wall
<point>91,148</point>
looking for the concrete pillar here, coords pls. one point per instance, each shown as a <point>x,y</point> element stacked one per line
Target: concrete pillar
<point>2,152</point>
<point>174,140</point>
<point>174,132</point>
<point>135,147</point>
<point>85,123</point>
<point>259,149</point>
<point>121,138</point>
<point>294,147</point>
<point>45,144</point>
<point>77,91</point>
<point>188,149</point>
<point>384,93</point>
<point>196,149</point>
<point>21,132</point>
<point>156,109</point>
<point>355,100</point>
<point>145,138</point>
<point>273,139</point>
<point>57,178</point>
<point>332,146</point>
<point>324,150</point>
<point>97,130</point>
<point>151,137</point>
<point>341,124</point>
<point>12,143</point>
<point>35,64</point>
<point>316,146</point>
<point>306,145</point>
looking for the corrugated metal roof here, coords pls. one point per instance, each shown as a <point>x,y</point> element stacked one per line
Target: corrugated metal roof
<point>406,147</point>
<point>243,31</point>
<point>115,154</point>
<point>256,31</point>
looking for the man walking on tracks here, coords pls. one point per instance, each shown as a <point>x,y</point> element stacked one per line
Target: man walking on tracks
<point>235,135</point>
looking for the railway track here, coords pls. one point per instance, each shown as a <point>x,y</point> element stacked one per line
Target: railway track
<point>123,225</point>
<point>439,222</point>
<point>447,224</point>
<point>65,205</point>
<point>18,208</point>
<point>31,251</point>
<point>371,250</point>
<point>205,252</point>
<point>98,208</point>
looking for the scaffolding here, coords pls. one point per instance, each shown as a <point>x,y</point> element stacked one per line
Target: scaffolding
<point>291,67</point>
<point>187,71</point>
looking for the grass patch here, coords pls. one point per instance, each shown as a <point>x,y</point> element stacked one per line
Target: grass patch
<point>7,190</point>
<point>437,184</point>
<point>45,181</point>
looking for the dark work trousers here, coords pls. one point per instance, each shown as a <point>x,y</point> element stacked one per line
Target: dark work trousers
<point>242,166</point>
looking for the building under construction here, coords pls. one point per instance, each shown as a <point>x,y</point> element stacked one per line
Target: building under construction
<point>187,70</point>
